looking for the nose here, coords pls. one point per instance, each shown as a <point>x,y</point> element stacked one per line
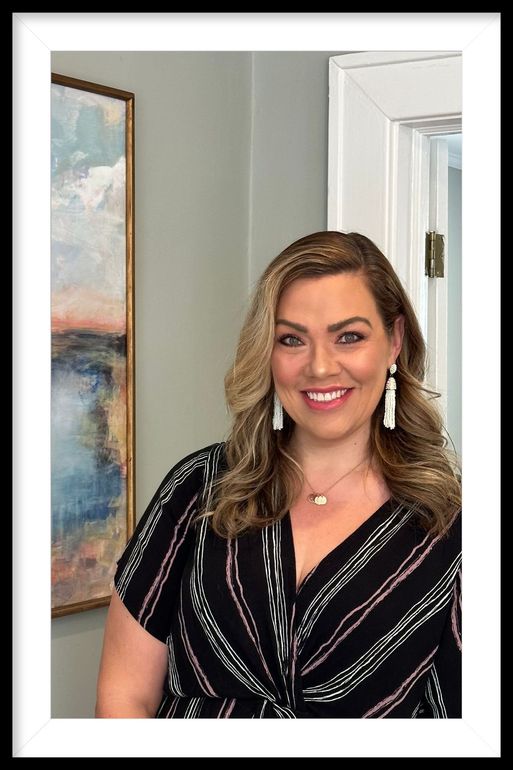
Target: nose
<point>322,362</point>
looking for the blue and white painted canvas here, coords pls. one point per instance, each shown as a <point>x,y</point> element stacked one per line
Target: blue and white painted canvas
<point>90,440</point>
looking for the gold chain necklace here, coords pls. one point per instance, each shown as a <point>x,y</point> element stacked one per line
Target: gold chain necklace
<point>320,498</point>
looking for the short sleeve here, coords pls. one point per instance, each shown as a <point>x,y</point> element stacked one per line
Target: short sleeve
<point>442,694</point>
<point>149,571</point>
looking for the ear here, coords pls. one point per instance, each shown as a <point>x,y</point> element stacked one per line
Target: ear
<point>396,339</point>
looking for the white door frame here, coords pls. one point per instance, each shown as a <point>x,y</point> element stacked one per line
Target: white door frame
<point>384,108</point>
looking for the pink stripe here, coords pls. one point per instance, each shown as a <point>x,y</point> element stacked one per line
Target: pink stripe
<point>454,617</point>
<point>159,581</point>
<point>379,599</point>
<point>202,678</point>
<point>393,697</point>
<point>229,583</point>
<point>230,708</point>
<point>394,585</point>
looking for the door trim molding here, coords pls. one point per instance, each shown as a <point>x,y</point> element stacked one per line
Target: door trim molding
<point>384,107</point>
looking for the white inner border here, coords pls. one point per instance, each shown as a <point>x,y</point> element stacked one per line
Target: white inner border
<point>34,37</point>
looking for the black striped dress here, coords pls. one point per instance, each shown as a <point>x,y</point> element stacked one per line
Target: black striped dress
<point>373,631</point>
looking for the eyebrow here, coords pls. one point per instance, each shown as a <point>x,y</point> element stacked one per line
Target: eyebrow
<point>331,328</point>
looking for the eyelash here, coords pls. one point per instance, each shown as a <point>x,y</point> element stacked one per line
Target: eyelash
<point>293,337</point>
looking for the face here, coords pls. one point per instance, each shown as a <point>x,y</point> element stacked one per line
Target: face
<point>331,355</point>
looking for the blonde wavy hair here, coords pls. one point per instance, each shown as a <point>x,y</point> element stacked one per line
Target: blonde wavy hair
<point>262,480</point>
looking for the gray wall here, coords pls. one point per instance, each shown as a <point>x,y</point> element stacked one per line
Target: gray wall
<point>454,313</point>
<point>289,152</point>
<point>230,167</point>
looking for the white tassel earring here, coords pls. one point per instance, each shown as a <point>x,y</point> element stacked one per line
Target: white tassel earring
<point>278,413</point>
<point>390,388</point>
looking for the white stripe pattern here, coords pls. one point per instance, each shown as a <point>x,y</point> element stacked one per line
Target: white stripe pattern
<point>345,681</point>
<point>374,631</point>
<point>350,570</point>
<point>145,534</point>
<point>219,643</point>
<point>434,695</point>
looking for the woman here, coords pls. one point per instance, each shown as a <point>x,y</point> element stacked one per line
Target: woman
<point>309,566</point>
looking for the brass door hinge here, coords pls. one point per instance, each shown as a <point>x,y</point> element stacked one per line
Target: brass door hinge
<point>434,255</point>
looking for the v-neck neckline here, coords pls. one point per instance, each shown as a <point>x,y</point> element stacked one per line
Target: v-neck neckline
<point>360,531</point>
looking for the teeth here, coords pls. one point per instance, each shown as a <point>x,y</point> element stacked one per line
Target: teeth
<point>314,396</point>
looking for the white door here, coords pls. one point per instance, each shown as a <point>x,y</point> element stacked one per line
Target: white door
<point>387,173</point>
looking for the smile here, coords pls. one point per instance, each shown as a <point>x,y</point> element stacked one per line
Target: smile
<point>320,400</point>
<point>316,396</point>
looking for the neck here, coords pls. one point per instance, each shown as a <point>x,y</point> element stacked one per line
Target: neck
<point>318,456</point>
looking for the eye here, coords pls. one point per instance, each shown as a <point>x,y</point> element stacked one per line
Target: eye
<point>349,338</point>
<point>290,341</point>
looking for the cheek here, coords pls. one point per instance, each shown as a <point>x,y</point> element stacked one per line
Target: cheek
<point>370,371</point>
<point>283,369</point>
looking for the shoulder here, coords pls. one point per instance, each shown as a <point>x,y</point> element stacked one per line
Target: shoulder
<point>190,474</point>
<point>436,546</point>
<point>422,521</point>
<point>446,546</point>
<point>452,533</point>
<point>432,559</point>
<point>199,459</point>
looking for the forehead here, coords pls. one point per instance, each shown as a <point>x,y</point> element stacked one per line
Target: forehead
<point>345,293</point>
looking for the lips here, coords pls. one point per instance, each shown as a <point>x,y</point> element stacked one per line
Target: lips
<point>325,399</point>
<point>331,395</point>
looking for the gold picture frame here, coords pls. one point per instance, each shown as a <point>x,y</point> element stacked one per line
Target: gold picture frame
<point>92,305</point>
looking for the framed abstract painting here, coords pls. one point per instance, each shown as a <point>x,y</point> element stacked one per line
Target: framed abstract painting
<point>92,421</point>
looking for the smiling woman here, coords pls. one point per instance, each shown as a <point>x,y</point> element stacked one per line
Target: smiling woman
<point>327,366</point>
<point>309,566</point>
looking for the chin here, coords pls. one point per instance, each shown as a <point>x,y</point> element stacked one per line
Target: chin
<point>330,435</point>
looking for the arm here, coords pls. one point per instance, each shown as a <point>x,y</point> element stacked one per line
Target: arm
<point>133,667</point>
